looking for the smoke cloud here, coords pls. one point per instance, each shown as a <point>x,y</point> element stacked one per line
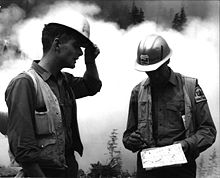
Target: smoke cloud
<point>195,53</point>
<point>8,17</point>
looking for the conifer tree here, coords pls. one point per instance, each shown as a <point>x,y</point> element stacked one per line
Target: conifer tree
<point>141,16</point>
<point>179,20</point>
<point>183,18</point>
<point>134,14</point>
<point>176,22</point>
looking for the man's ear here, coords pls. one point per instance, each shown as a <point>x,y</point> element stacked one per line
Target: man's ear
<point>56,44</point>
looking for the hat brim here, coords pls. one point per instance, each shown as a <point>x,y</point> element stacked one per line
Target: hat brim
<point>152,67</point>
<point>83,40</point>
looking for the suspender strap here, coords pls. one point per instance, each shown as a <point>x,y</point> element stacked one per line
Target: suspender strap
<point>189,85</point>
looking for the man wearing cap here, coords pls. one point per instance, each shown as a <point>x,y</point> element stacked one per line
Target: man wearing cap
<point>166,108</point>
<point>43,132</point>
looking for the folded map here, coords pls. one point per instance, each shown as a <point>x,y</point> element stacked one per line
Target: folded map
<point>163,156</point>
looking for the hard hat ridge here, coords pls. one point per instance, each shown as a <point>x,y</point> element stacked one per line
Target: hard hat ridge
<point>152,52</point>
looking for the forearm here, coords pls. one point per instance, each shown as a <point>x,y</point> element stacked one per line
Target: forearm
<point>200,141</point>
<point>91,78</point>
<point>90,55</point>
<point>204,130</point>
<point>92,71</point>
<point>32,170</point>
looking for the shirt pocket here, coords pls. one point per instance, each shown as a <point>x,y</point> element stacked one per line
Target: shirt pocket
<point>48,154</point>
<point>42,123</point>
<point>43,142</point>
<point>174,115</point>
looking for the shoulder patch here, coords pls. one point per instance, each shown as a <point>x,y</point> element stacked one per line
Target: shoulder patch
<point>199,95</point>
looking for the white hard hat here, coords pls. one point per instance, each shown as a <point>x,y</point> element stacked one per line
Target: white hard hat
<point>153,51</point>
<point>78,24</point>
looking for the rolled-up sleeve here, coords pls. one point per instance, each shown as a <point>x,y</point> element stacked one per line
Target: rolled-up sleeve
<point>20,99</point>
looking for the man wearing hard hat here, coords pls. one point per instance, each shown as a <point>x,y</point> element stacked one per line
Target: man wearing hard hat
<point>43,132</point>
<point>165,109</point>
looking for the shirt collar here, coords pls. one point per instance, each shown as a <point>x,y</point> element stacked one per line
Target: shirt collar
<point>172,79</point>
<point>45,75</point>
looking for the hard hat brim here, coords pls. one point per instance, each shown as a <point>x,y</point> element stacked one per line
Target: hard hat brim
<point>152,67</point>
<point>83,40</point>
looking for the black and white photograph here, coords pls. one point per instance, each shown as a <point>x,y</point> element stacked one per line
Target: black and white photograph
<point>109,88</point>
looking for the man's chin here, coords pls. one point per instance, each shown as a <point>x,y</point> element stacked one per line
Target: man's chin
<point>72,66</point>
<point>69,67</point>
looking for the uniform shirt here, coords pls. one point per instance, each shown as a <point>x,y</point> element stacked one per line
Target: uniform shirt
<point>167,113</point>
<point>20,97</point>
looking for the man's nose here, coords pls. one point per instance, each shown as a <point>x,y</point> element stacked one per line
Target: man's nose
<point>80,52</point>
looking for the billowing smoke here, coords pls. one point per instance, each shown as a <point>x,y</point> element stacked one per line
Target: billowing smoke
<point>195,53</point>
<point>8,17</point>
<point>8,44</point>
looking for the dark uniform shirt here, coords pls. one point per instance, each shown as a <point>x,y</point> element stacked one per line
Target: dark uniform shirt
<point>168,110</point>
<point>168,127</point>
<point>21,100</point>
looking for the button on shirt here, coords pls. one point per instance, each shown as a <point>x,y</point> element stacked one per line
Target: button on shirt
<point>167,115</point>
<point>167,112</point>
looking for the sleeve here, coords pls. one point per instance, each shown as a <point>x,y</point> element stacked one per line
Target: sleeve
<point>205,131</point>
<point>132,121</point>
<point>20,99</point>
<point>3,123</point>
<point>83,86</point>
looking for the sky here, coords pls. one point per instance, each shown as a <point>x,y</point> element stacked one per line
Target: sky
<point>195,54</point>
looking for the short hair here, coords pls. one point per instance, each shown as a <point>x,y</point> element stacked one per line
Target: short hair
<point>52,31</point>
